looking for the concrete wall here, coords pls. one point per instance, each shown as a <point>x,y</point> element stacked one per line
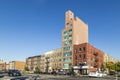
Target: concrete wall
<point>80,31</point>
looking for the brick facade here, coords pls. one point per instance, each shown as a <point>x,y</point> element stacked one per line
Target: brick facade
<point>88,54</point>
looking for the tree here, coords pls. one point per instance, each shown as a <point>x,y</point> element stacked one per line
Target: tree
<point>47,64</point>
<point>103,67</point>
<point>26,68</point>
<point>37,69</point>
<point>71,70</point>
<point>117,66</point>
<point>110,66</point>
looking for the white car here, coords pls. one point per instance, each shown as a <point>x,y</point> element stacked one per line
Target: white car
<point>31,72</point>
<point>96,74</point>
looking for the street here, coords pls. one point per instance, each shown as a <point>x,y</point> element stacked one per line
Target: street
<point>59,77</point>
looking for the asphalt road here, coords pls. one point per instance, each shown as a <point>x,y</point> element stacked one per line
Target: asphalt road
<point>61,77</point>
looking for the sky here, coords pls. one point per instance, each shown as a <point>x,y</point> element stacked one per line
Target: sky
<point>33,27</point>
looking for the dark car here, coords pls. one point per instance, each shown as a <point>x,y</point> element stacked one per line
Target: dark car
<point>53,72</point>
<point>61,73</point>
<point>27,78</point>
<point>20,78</point>
<point>14,73</point>
<point>2,74</point>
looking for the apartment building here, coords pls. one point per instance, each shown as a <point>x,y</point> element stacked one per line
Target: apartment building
<point>89,55</point>
<point>108,58</point>
<point>7,65</point>
<point>53,60</point>
<point>42,63</point>
<point>49,61</point>
<point>33,62</point>
<point>75,32</point>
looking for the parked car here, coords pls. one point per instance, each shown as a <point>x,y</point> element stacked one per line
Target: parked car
<point>14,73</point>
<point>37,72</point>
<point>27,78</point>
<point>2,74</point>
<point>112,73</point>
<point>96,74</point>
<point>61,73</point>
<point>117,74</point>
<point>31,72</point>
<point>20,78</point>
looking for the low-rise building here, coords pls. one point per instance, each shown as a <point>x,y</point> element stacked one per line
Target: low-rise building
<point>53,60</point>
<point>33,62</point>
<point>42,63</point>
<point>19,65</point>
<point>87,58</point>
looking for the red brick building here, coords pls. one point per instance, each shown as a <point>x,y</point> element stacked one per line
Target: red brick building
<point>88,54</point>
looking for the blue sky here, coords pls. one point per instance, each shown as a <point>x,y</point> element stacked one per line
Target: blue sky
<point>32,27</point>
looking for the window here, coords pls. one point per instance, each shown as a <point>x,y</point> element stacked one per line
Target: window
<point>80,56</point>
<point>67,53</point>
<point>67,43</point>
<point>59,64</point>
<point>70,42</point>
<point>67,59</point>
<point>84,49</point>
<point>71,25</point>
<point>75,63</point>
<point>67,37</point>
<point>70,36</point>
<point>84,56</point>
<point>67,48</point>
<point>66,66</point>
<point>76,57</point>
<point>70,30</point>
<point>80,49</point>
<point>67,23</point>
<point>59,59</point>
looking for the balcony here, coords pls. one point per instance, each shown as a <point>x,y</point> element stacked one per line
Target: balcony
<point>95,54</point>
